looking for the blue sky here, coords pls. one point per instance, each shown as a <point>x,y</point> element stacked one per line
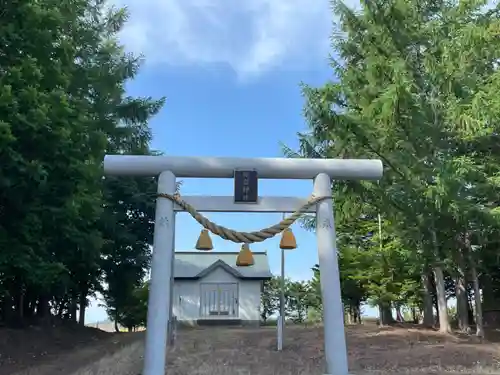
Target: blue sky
<point>231,73</point>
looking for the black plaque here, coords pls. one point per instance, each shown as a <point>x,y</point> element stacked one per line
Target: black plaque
<point>245,187</point>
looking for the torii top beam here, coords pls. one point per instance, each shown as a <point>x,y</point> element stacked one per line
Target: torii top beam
<point>224,167</point>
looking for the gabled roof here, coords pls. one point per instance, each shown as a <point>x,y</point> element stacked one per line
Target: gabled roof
<point>219,263</point>
<point>197,264</point>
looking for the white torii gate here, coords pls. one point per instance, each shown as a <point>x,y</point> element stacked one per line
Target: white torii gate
<point>322,171</point>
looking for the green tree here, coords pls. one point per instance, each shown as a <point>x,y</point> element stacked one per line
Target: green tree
<point>414,83</point>
<point>270,297</point>
<point>63,229</point>
<point>50,153</point>
<point>297,297</point>
<point>133,314</point>
<point>315,300</point>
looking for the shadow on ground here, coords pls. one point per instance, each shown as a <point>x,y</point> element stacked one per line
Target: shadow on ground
<point>56,349</point>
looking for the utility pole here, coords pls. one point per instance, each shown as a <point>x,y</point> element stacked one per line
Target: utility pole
<point>172,320</point>
<point>281,318</point>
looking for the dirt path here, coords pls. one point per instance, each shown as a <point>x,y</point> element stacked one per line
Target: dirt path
<point>111,357</point>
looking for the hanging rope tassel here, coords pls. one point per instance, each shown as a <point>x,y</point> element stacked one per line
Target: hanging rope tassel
<point>245,257</point>
<point>204,241</point>
<point>288,241</point>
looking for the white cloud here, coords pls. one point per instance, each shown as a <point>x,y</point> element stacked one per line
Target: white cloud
<point>250,36</point>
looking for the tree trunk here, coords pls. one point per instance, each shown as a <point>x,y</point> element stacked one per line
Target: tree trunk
<point>399,315</point>
<point>83,305</point>
<point>477,290</point>
<point>348,314</point>
<point>477,302</point>
<point>43,309</point>
<point>20,307</point>
<point>471,312</point>
<point>490,302</point>
<point>461,293</point>
<point>352,313</point>
<point>444,322</point>
<point>117,328</point>
<point>436,308</point>
<point>385,313</point>
<point>17,316</point>
<point>414,317</point>
<point>7,311</point>
<point>72,309</point>
<point>28,306</point>
<point>428,313</point>
<point>357,310</point>
<point>462,303</point>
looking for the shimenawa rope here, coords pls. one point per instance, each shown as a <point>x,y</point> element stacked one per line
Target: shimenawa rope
<point>242,237</point>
